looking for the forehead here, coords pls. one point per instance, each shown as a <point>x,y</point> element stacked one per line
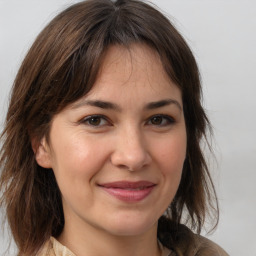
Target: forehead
<point>132,62</point>
<point>137,66</point>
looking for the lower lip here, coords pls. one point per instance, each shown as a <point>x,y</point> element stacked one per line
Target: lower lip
<point>129,195</point>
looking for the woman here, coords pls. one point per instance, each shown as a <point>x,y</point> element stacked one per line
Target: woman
<point>101,149</point>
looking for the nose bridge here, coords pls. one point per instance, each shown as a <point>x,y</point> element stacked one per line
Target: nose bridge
<point>131,149</point>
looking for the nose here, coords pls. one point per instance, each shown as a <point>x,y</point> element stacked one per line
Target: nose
<point>130,151</point>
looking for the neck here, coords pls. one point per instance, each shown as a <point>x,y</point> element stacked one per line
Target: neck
<point>92,241</point>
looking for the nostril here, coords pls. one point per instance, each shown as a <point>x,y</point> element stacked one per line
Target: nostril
<point>130,162</point>
<point>130,150</point>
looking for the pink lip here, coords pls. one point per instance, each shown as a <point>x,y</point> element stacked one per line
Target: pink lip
<point>129,191</point>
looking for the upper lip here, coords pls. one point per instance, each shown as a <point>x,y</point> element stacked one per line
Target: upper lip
<point>128,184</point>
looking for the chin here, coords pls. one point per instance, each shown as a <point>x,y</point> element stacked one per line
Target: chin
<point>132,226</point>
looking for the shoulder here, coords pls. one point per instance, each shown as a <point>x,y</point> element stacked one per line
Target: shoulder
<point>184,242</point>
<point>206,247</point>
<point>47,249</point>
<point>54,248</point>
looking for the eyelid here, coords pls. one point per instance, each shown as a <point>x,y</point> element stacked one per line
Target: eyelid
<point>86,119</point>
<point>170,120</point>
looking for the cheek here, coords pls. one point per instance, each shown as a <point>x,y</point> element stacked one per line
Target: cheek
<point>76,158</point>
<point>169,155</point>
<point>172,154</point>
<point>77,161</point>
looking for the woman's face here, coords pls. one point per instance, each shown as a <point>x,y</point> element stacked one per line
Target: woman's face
<point>118,152</point>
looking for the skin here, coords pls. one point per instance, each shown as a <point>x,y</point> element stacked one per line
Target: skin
<point>131,140</point>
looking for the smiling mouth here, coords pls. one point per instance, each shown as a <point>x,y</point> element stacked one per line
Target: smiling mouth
<point>129,191</point>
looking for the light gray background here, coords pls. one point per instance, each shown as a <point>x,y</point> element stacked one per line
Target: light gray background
<point>222,34</point>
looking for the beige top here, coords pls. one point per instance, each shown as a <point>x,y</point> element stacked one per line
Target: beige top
<point>55,248</point>
<point>204,247</point>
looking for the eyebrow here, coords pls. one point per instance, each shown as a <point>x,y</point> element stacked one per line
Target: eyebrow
<point>113,106</point>
<point>98,103</point>
<point>162,103</point>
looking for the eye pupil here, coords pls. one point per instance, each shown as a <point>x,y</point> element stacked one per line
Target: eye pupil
<point>157,120</point>
<point>94,121</point>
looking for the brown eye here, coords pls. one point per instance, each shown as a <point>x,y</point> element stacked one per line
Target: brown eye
<point>157,120</point>
<point>95,120</point>
<point>161,120</point>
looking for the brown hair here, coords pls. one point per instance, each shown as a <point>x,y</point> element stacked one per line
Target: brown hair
<point>60,68</point>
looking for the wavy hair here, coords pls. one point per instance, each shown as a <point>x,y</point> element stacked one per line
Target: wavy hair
<point>60,68</point>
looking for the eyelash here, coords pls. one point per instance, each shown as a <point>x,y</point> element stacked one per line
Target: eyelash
<point>88,119</point>
<point>168,120</point>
